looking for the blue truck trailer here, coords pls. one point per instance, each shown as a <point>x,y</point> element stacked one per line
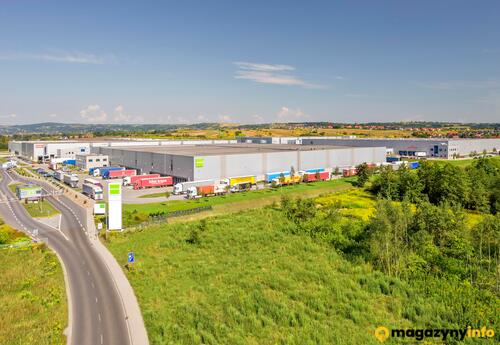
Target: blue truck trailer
<point>103,170</point>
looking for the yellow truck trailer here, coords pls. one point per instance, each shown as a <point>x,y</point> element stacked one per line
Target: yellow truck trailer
<point>241,180</point>
<point>286,180</point>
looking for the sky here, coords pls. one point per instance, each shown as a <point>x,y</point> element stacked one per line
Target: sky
<point>249,61</point>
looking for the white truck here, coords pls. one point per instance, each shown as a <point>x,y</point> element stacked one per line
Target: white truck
<point>71,180</point>
<point>181,188</point>
<point>206,190</point>
<point>93,191</point>
<point>59,175</point>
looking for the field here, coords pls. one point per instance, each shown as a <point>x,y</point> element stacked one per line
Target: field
<point>237,200</point>
<point>462,162</point>
<point>36,210</point>
<point>32,294</point>
<point>245,279</point>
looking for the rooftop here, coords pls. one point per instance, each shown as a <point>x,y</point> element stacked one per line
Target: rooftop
<point>226,149</point>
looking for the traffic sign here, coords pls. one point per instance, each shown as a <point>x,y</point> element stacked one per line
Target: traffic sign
<point>131,257</point>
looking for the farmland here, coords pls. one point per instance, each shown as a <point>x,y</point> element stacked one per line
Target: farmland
<point>32,294</point>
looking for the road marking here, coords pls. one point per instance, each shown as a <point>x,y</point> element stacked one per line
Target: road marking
<point>93,286</point>
<point>96,300</point>
<point>60,218</point>
<point>101,339</point>
<point>99,316</point>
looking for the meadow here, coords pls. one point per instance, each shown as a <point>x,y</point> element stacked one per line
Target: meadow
<point>251,278</point>
<point>32,293</point>
<point>136,213</point>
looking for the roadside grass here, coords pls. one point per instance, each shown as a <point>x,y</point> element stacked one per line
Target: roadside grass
<point>154,195</point>
<point>32,293</point>
<point>40,209</point>
<point>244,279</point>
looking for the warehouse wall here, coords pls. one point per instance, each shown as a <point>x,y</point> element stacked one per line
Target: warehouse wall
<point>465,147</point>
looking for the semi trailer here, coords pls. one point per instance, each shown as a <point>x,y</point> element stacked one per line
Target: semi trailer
<point>131,180</point>
<point>93,191</point>
<point>286,180</point>
<point>318,176</point>
<point>207,190</point>
<point>153,182</point>
<point>118,173</point>
<point>71,180</point>
<point>181,188</point>
<point>102,170</point>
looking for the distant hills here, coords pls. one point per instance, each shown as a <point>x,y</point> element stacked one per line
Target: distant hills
<point>76,128</point>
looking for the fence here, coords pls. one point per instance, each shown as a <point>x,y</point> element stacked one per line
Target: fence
<point>162,219</point>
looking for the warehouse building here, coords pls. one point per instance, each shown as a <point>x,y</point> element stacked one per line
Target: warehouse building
<point>200,162</point>
<point>440,148</point>
<point>89,161</point>
<point>42,151</point>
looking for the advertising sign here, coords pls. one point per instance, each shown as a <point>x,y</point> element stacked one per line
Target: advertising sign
<point>115,205</point>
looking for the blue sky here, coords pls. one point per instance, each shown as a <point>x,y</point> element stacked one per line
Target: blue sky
<point>249,61</point>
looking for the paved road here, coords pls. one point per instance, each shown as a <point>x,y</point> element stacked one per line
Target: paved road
<point>96,310</point>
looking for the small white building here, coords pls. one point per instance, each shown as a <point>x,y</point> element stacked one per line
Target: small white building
<point>89,161</point>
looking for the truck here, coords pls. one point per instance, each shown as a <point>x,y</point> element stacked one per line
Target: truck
<point>286,180</point>
<point>272,175</point>
<point>93,191</point>
<point>181,188</point>
<point>241,180</point>
<point>100,171</point>
<point>71,180</point>
<point>318,176</point>
<point>93,181</point>
<point>59,175</point>
<point>207,190</point>
<point>153,182</point>
<point>313,171</point>
<point>131,180</point>
<point>347,172</point>
<point>9,164</point>
<point>119,173</point>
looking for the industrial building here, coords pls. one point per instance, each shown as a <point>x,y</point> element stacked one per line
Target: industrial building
<point>43,151</point>
<point>89,161</point>
<point>201,162</point>
<point>29,191</point>
<point>439,148</point>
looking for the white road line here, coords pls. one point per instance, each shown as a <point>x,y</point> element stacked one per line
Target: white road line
<point>101,339</point>
<point>99,316</point>
<point>96,300</point>
<point>93,286</point>
<point>60,218</point>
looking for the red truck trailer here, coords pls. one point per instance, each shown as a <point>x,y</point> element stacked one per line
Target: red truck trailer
<point>153,182</point>
<point>120,173</point>
<point>349,172</point>
<point>320,176</point>
<point>134,179</point>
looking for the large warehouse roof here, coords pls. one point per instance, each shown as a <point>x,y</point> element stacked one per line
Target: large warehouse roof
<point>226,149</point>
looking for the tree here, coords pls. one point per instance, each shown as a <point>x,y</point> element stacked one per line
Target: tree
<point>364,171</point>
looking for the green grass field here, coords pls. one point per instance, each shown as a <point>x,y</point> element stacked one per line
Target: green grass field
<point>255,197</point>
<point>40,209</point>
<point>244,279</point>
<point>32,294</point>
<point>461,162</point>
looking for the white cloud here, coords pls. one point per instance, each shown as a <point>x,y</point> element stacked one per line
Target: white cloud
<point>93,113</point>
<point>8,116</point>
<point>52,115</point>
<point>339,77</point>
<point>456,85</point>
<point>225,118</point>
<point>290,115</point>
<point>258,119</point>
<point>120,116</point>
<point>74,57</point>
<point>201,118</point>
<point>271,74</point>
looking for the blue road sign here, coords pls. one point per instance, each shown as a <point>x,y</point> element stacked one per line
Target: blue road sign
<point>131,257</point>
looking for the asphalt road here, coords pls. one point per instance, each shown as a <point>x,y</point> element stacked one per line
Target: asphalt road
<point>96,311</point>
